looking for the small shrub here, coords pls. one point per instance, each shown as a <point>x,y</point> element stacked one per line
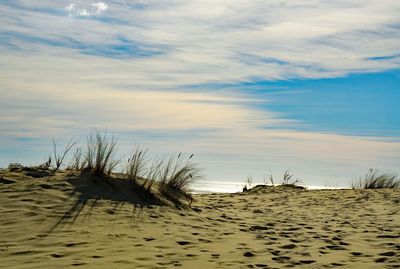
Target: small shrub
<point>375,179</point>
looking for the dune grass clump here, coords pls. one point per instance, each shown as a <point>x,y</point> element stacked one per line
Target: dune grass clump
<point>375,179</point>
<point>136,165</point>
<point>288,179</point>
<point>99,157</point>
<point>248,184</point>
<point>289,182</point>
<point>147,177</point>
<point>153,174</point>
<point>176,174</point>
<point>136,169</point>
<point>76,162</point>
<point>271,180</point>
<point>59,158</point>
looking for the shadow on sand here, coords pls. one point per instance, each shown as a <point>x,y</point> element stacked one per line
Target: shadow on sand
<point>88,190</point>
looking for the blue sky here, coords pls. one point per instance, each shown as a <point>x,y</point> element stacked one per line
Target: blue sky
<point>356,104</point>
<point>250,87</point>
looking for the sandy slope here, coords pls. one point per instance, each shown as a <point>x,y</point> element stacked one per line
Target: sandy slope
<point>44,223</point>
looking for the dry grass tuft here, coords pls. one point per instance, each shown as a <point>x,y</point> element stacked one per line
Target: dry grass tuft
<point>176,174</point>
<point>99,157</point>
<point>288,179</point>
<point>288,182</point>
<point>59,158</point>
<point>135,167</point>
<point>375,179</point>
<point>248,184</point>
<point>170,177</point>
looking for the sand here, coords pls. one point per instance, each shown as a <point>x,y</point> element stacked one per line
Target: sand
<point>47,222</point>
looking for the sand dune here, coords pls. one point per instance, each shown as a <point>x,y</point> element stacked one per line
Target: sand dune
<point>49,222</point>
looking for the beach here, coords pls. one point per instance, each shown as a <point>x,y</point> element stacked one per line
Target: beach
<point>47,222</point>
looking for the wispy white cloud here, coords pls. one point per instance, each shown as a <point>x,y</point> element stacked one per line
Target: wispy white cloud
<point>70,9</point>
<point>100,7</point>
<point>221,41</point>
<point>95,9</point>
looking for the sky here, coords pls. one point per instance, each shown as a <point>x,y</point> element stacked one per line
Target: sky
<point>252,88</point>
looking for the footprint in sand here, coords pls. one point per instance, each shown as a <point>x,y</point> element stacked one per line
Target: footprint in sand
<point>281,259</point>
<point>55,255</point>
<point>275,252</point>
<point>334,264</point>
<point>388,236</point>
<point>388,254</point>
<point>307,261</point>
<point>69,245</point>
<point>183,243</point>
<point>97,257</point>
<point>380,260</point>
<point>78,264</point>
<point>202,240</point>
<point>335,247</point>
<point>248,254</point>
<point>289,246</point>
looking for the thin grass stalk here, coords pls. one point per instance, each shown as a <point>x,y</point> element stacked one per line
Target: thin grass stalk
<point>136,165</point>
<point>76,161</point>
<point>60,158</point>
<point>153,173</point>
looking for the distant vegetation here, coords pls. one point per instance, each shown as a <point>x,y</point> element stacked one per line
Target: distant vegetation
<point>375,179</point>
<point>248,184</point>
<point>288,180</point>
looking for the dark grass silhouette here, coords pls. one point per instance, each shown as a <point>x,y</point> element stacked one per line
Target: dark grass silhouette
<point>96,157</point>
<point>99,157</point>
<point>59,158</point>
<point>288,182</point>
<point>138,171</point>
<point>176,174</point>
<point>375,179</point>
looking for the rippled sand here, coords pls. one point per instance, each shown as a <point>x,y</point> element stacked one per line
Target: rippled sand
<point>46,222</point>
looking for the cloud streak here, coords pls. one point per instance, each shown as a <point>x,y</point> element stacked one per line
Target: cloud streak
<point>223,41</point>
<point>95,10</point>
